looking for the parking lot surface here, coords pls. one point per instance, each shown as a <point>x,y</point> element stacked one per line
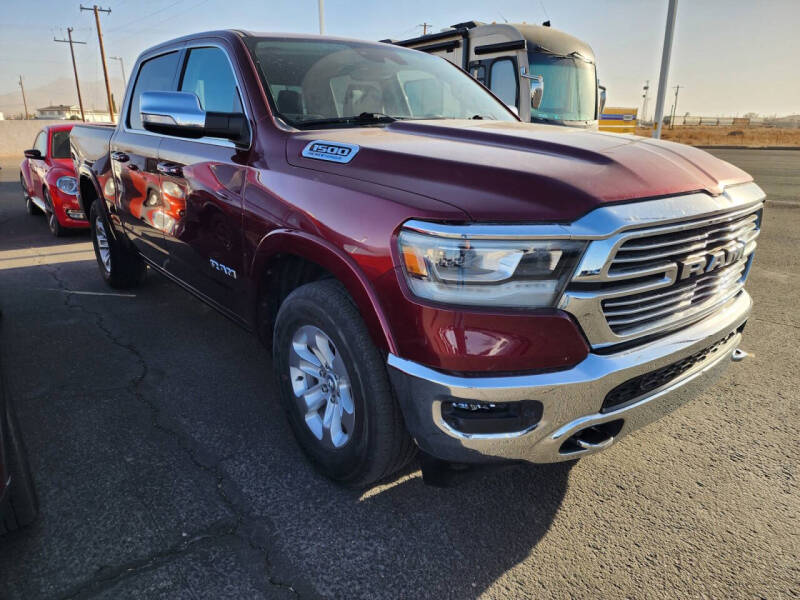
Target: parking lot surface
<point>166,469</point>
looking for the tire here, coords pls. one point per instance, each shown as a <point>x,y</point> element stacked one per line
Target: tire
<point>23,505</point>
<point>30,207</point>
<point>52,220</point>
<point>121,267</point>
<point>372,442</point>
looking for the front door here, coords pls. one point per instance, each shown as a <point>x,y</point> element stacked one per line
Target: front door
<point>134,159</point>
<point>202,186</point>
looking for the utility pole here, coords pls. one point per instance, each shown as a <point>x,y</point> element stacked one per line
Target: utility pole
<point>321,4</point>
<point>97,10</point>
<point>674,107</point>
<point>644,102</point>
<point>70,41</point>
<point>672,10</point>
<point>424,27</point>
<point>24,101</point>
<point>121,66</point>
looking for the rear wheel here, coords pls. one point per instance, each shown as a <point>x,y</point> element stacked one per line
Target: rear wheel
<point>120,266</point>
<point>335,389</point>
<point>52,219</point>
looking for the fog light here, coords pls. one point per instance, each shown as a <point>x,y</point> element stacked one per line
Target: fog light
<point>76,214</point>
<point>471,417</point>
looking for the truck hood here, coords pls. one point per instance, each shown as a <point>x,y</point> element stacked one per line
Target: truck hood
<point>510,171</point>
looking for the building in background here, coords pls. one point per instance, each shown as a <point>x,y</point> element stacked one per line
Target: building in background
<point>71,113</point>
<point>618,120</point>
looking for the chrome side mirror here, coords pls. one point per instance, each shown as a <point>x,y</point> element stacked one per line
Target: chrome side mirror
<point>172,113</point>
<point>180,114</point>
<point>537,90</point>
<point>602,89</point>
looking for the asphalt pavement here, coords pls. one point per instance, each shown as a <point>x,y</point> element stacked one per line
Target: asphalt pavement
<point>166,469</point>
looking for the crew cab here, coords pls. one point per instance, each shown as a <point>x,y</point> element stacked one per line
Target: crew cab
<point>430,272</point>
<point>47,178</point>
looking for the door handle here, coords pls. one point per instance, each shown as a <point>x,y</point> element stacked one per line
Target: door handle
<point>119,156</point>
<point>132,167</point>
<point>171,169</point>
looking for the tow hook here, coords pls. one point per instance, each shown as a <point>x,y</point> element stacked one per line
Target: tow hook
<point>739,355</point>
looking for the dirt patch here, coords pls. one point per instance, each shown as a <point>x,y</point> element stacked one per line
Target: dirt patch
<point>709,135</point>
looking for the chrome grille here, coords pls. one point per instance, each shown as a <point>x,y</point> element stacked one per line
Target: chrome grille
<point>636,313</point>
<point>659,272</point>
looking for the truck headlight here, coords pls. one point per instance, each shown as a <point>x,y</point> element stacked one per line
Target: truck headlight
<point>486,272</point>
<point>68,185</point>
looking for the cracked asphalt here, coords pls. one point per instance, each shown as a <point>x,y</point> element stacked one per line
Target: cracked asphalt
<point>165,468</point>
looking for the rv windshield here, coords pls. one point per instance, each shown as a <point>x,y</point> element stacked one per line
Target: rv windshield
<point>337,83</point>
<point>570,87</point>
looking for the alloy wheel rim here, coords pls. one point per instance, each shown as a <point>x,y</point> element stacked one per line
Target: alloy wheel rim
<point>102,244</point>
<point>321,387</point>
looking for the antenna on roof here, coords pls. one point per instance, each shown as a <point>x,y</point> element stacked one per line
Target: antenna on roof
<point>546,16</point>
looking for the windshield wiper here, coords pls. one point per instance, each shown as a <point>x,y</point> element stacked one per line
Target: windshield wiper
<point>365,118</point>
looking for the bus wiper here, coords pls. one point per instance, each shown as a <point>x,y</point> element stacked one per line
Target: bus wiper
<point>365,118</point>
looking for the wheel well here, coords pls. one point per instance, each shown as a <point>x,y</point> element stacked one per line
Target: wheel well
<point>283,274</point>
<point>87,194</point>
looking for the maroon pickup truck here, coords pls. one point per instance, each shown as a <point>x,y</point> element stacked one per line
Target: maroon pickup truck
<point>429,271</point>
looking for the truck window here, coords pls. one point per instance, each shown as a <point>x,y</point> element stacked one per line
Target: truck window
<point>209,75</point>
<point>503,81</point>
<point>155,75</point>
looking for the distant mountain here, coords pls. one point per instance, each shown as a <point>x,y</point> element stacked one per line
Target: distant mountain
<point>62,91</point>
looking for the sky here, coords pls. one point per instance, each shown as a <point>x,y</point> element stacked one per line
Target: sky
<point>730,57</point>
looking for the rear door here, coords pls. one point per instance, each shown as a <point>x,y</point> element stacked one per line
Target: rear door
<point>134,159</point>
<point>202,186</point>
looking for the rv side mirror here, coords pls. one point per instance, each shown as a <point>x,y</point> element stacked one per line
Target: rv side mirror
<point>537,90</point>
<point>602,98</point>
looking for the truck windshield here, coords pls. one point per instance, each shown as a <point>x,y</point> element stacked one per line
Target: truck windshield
<point>331,83</point>
<point>570,87</point>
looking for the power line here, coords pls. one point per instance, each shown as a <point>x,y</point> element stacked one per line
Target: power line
<point>70,41</point>
<point>97,10</point>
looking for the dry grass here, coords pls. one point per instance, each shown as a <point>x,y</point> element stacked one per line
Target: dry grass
<point>728,136</point>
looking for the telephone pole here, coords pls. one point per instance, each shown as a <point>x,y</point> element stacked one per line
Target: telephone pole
<point>121,66</point>
<point>674,107</point>
<point>24,101</point>
<point>70,41</point>
<point>97,10</point>
<point>424,27</point>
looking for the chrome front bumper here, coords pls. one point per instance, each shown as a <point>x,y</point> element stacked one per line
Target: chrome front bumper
<point>571,399</point>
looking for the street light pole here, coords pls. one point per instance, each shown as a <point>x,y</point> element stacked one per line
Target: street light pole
<point>662,77</point>
<point>321,4</point>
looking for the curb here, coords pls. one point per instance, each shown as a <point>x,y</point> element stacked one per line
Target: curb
<point>749,147</point>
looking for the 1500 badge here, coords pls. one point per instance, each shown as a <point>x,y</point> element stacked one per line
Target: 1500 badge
<point>338,152</point>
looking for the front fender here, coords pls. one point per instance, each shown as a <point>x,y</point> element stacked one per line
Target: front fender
<point>336,262</point>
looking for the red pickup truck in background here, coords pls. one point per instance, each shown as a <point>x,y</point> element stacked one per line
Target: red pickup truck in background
<point>47,177</point>
<point>429,271</point>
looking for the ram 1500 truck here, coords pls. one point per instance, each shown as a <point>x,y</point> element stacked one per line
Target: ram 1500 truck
<point>429,271</point>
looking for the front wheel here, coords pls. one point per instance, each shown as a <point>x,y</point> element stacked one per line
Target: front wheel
<point>120,266</point>
<point>335,389</point>
<point>52,219</point>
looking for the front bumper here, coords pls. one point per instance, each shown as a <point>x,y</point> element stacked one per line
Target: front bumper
<point>571,400</point>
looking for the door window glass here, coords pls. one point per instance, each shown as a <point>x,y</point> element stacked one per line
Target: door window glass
<point>41,143</point>
<point>155,75</point>
<point>59,144</point>
<point>504,81</point>
<point>208,74</point>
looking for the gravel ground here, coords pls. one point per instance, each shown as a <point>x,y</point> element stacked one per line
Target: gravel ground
<point>166,470</point>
